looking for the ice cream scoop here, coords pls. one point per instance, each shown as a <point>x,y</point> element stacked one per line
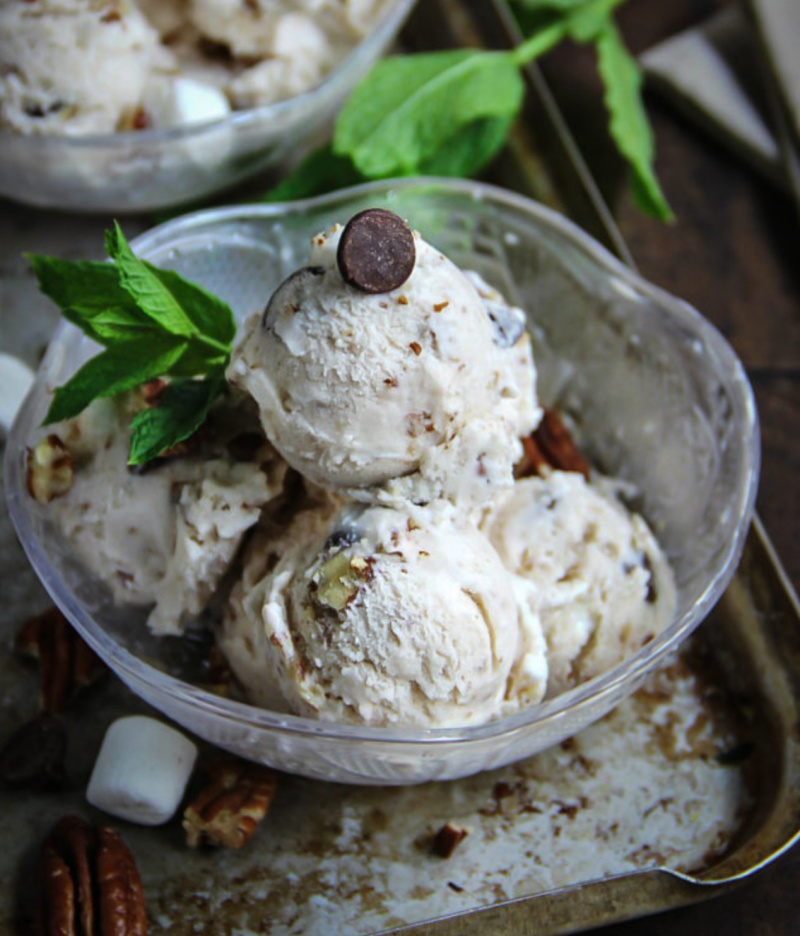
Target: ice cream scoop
<point>358,387</point>
<point>72,67</point>
<point>385,616</point>
<point>600,584</point>
<point>164,536</point>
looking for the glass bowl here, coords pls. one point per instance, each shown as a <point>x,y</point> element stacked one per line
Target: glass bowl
<point>660,398</point>
<point>147,170</point>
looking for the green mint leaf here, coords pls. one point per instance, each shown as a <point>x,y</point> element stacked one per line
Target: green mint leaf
<point>628,119</point>
<point>182,408</point>
<point>557,6</point>
<point>89,295</point>
<point>146,289</point>
<point>212,317</point>
<point>121,367</point>
<point>174,304</point>
<point>407,107</point>
<point>321,171</point>
<point>469,149</point>
<point>587,22</point>
<point>548,23</point>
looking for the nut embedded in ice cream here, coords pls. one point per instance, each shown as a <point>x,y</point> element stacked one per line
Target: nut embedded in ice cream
<point>386,616</point>
<point>357,389</point>
<point>598,580</point>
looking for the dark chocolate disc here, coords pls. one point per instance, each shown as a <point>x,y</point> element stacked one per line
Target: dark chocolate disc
<point>376,251</point>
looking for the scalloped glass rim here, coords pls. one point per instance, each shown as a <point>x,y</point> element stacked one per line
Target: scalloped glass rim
<point>267,113</point>
<point>135,671</point>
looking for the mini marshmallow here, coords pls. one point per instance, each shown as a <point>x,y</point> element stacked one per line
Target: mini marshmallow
<point>141,771</point>
<point>173,102</point>
<point>176,102</point>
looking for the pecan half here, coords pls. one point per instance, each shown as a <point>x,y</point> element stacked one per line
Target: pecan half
<point>68,662</point>
<point>50,469</point>
<point>551,444</point>
<point>87,884</point>
<point>230,809</point>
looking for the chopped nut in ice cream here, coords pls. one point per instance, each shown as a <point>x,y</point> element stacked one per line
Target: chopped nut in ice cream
<point>50,469</point>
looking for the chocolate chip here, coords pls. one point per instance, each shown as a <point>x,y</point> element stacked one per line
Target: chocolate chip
<point>342,538</point>
<point>33,757</point>
<point>376,251</point>
<point>508,323</point>
<point>292,293</point>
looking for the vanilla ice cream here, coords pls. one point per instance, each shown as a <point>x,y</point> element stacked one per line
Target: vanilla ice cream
<point>101,66</point>
<point>599,582</point>
<point>383,616</point>
<point>165,536</point>
<point>418,383</point>
<point>72,66</point>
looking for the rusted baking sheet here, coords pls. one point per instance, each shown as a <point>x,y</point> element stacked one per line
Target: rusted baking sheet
<point>688,787</point>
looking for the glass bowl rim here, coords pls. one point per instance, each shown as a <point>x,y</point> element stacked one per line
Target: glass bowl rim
<point>134,670</point>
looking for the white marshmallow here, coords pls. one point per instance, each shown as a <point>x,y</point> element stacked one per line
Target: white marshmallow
<point>173,102</point>
<point>141,771</point>
<point>176,102</point>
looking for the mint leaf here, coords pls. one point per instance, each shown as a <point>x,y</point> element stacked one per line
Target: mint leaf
<point>182,408</point>
<point>147,290</point>
<point>470,148</point>
<point>153,323</point>
<point>89,295</point>
<point>321,171</point>
<point>585,23</point>
<point>175,305</point>
<point>212,317</point>
<point>409,106</point>
<point>559,6</point>
<point>628,120</point>
<point>121,367</point>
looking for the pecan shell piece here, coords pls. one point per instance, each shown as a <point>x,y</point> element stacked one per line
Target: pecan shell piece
<point>228,811</point>
<point>88,884</point>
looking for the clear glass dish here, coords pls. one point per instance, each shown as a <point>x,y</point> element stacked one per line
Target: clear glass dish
<point>659,395</point>
<point>148,170</point>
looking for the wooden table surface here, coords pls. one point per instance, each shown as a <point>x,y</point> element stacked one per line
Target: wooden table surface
<point>732,253</point>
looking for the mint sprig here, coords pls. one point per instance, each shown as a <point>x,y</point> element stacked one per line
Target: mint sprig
<point>449,113</point>
<point>151,323</point>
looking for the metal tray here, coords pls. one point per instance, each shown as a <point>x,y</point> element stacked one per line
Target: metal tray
<point>330,858</point>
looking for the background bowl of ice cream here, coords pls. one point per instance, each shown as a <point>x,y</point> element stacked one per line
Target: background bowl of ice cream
<point>659,398</point>
<point>92,118</point>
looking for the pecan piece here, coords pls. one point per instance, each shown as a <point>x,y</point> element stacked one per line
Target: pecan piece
<point>551,444</point>
<point>230,809</point>
<point>87,884</point>
<point>68,662</point>
<point>50,469</point>
<point>447,839</point>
